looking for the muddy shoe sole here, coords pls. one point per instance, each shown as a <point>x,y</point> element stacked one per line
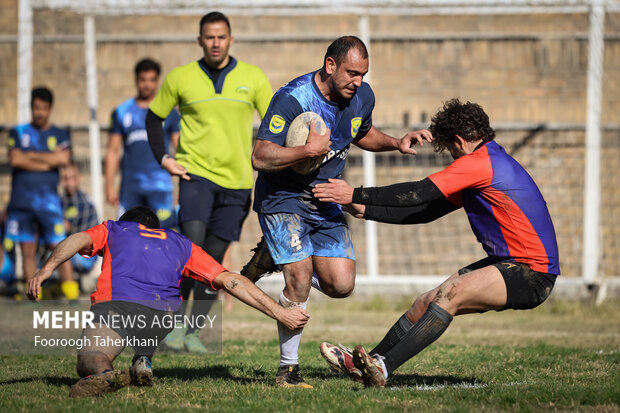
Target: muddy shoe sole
<point>99,384</point>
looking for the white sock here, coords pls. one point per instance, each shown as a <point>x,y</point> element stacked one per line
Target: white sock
<point>380,361</point>
<point>315,282</point>
<point>289,339</point>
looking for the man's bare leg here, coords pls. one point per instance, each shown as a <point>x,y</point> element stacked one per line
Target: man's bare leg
<point>29,261</point>
<point>336,275</point>
<point>480,290</point>
<point>95,364</point>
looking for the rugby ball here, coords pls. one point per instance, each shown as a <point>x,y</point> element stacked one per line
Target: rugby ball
<point>297,135</point>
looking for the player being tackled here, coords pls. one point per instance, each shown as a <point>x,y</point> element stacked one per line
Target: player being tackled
<point>310,240</point>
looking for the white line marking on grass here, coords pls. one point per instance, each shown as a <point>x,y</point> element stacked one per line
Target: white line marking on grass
<point>432,387</point>
<point>463,385</point>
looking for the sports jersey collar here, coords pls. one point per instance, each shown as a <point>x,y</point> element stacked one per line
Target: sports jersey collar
<point>481,144</point>
<point>218,76</point>
<point>40,130</point>
<point>318,91</point>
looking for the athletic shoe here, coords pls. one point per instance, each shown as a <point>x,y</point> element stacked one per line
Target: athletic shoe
<point>175,340</point>
<point>261,264</point>
<point>98,384</point>
<point>340,358</point>
<point>141,372</point>
<point>289,376</point>
<point>373,371</point>
<point>193,343</point>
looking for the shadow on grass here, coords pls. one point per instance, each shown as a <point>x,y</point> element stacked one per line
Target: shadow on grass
<point>54,380</point>
<point>217,371</point>
<point>400,380</point>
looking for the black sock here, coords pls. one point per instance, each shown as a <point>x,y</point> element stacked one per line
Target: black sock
<point>425,331</point>
<point>393,336</point>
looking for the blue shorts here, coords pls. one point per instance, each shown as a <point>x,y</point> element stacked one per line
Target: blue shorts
<point>23,225</point>
<point>159,201</point>
<point>292,238</point>
<point>83,265</point>
<point>7,272</point>
<point>222,209</point>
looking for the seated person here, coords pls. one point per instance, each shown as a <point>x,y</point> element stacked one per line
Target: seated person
<point>79,213</point>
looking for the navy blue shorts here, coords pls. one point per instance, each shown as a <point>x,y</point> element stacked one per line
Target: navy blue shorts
<point>222,209</point>
<point>159,201</point>
<point>23,225</point>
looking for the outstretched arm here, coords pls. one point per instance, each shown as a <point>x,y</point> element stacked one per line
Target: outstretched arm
<point>63,251</point>
<point>243,289</point>
<point>400,195</point>
<point>420,214</point>
<point>376,141</point>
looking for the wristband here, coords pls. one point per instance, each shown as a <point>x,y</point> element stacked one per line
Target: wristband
<point>163,158</point>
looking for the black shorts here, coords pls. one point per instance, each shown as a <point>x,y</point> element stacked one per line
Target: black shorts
<point>222,209</point>
<point>525,288</point>
<point>135,323</point>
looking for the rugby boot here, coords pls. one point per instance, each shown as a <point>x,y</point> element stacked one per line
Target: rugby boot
<point>340,358</point>
<point>97,384</point>
<point>193,343</point>
<point>175,340</point>
<point>289,376</point>
<point>373,370</point>
<point>141,371</point>
<point>261,264</point>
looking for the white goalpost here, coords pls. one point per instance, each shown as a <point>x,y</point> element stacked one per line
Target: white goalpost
<point>363,10</point>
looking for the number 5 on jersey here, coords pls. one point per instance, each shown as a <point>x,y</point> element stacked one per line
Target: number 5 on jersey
<point>152,233</point>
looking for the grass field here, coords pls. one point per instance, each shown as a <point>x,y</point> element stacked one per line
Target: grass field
<point>560,357</point>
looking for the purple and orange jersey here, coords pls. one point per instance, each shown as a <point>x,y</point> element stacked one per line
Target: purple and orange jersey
<point>505,208</point>
<point>146,265</point>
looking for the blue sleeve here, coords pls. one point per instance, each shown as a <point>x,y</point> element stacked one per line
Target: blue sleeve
<point>172,124</point>
<point>368,98</point>
<point>282,110</point>
<point>64,139</point>
<point>116,125</point>
<point>14,139</point>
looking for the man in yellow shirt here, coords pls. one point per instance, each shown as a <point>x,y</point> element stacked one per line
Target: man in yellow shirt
<point>217,96</point>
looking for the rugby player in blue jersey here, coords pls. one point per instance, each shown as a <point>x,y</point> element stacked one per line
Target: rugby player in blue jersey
<point>142,268</point>
<point>143,182</point>
<point>36,151</point>
<point>303,235</point>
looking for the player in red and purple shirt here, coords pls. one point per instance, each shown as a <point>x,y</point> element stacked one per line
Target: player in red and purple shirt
<point>140,276</point>
<point>507,213</point>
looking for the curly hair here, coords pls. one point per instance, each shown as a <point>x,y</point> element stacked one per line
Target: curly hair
<point>468,120</point>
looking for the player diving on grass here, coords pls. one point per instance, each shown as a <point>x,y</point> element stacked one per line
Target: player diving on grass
<point>507,213</point>
<point>140,276</point>
<point>303,235</point>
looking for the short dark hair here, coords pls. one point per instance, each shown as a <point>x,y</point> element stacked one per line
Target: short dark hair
<point>42,93</point>
<point>142,215</point>
<point>339,49</point>
<point>468,120</point>
<point>213,17</point>
<point>146,65</point>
